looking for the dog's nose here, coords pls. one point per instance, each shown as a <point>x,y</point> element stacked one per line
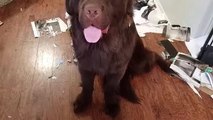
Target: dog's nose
<point>92,11</point>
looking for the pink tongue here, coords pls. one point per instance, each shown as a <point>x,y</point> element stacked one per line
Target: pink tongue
<point>92,34</point>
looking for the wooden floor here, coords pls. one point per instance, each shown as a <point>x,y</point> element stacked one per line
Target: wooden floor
<point>26,92</point>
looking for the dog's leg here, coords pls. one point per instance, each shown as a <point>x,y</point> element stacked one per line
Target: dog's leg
<point>85,97</point>
<point>111,90</point>
<point>126,90</point>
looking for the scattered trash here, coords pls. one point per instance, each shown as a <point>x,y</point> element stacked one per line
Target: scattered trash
<point>75,60</point>
<point>63,91</point>
<point>71,43</point>
<point>68,18</point>
<point>55,45</point>
<point>149,19</point>
<point>194,73</point>
<point>52,77</point>
<point>9,116</point>
<point>59,62</point>
<point>4,2</point>
<point>139,4</point>
<point>177,32</point>
<point>148,10</point>
<point>69,61</point>
<point>21,9</point>
<point>1,23</point>
<point>50,27</point>
<point>170,51</point>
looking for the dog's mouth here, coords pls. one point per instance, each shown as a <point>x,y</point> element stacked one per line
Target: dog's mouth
<point>93,34</point>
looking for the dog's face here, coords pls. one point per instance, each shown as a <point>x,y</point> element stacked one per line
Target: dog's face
<point>97,13</point>
<point>96,16</point>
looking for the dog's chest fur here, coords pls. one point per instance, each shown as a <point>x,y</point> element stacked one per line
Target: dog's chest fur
<point>110,54</point>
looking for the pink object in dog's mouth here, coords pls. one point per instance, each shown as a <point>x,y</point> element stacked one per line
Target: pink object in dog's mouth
<point>93,34</point>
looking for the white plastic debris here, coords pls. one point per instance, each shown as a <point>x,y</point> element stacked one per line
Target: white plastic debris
<point>9,116</point>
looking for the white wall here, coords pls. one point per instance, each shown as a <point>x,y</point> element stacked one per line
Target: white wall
<point>197,14</point>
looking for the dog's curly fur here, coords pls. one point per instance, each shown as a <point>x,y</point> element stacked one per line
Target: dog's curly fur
<point>117,56</point>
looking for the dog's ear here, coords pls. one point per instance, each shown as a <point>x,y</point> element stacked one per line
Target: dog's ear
<point>72,7</point>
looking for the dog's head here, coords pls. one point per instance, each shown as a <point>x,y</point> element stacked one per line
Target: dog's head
<point>96,16</point>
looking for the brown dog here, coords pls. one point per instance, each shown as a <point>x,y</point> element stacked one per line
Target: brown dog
<point>106,43</point>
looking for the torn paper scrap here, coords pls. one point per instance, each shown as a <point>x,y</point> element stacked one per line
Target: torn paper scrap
<point>52,77</point>
<point>1,23</point>
<point>177,32</point>
<point>69,61</point>
<point>50,27</point>
<point>4,2</point>
<point>75,60</point>
<point>59,62</point>
<point>55,45</point>
<point>68,18</point>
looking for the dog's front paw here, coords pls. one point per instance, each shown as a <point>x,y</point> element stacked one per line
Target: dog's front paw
<point>81,103</point>
<point>112,109</point>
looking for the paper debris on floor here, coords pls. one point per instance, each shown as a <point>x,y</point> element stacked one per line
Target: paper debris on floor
<point>148,18</point>
<point>194,73</point>
<point>69,61</point>
<point>55,45</point>
<point>50,27</point>
<point>1,23</point>
<point>4,2</point>
<point>68,18</point>
<point>177,32</point>
<point>52,77</point>
<point>75,60</point>
<point>59,62</point>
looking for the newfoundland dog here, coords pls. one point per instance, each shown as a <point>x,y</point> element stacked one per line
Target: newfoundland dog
<point>107,44</point>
